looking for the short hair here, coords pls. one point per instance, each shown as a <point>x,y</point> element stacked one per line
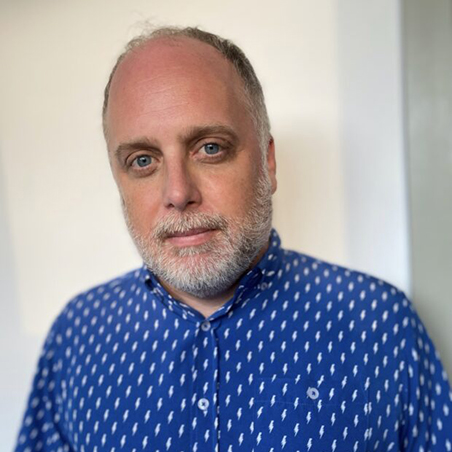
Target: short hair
<point>254,95</point>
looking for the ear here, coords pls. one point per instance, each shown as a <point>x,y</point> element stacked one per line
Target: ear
<point>271,163</point>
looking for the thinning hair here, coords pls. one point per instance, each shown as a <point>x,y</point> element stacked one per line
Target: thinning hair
<point>252,88</point>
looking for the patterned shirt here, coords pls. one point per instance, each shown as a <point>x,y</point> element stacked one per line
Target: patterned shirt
<point>306,356</point>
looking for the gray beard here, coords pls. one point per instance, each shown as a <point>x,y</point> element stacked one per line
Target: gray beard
<point>212,268</point>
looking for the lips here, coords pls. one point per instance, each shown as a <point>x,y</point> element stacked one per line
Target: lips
<point>188,233</point>
<point>190,238</point>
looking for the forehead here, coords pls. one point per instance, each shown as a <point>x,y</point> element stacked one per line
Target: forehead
<point>173,77</point>
<point>169,53</point>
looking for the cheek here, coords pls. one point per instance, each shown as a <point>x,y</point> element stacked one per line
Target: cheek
<point>141,207</point>
<point>230,193</point>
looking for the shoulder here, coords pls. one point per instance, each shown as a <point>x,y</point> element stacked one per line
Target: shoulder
<point>103,301</point>
<point>323,273</point>
<point>354,294</point>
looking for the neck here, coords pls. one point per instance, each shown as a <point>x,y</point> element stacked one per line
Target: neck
<point>207,306</point>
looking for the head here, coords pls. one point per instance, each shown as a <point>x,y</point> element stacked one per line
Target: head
<point>191,153</point>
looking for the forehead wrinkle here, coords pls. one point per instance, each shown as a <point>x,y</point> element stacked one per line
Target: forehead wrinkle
<point>170,91</point>
<point>147,87</point>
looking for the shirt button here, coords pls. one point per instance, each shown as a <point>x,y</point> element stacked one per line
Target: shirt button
<point>264,286</point>
<point>205,326</point>
<point>203,404</point>
<point>313,393</point>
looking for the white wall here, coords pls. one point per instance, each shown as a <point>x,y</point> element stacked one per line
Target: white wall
<point>372,138</point>
<point>332,77</point>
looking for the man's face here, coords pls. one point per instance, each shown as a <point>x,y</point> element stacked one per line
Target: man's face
<point>185,155</point>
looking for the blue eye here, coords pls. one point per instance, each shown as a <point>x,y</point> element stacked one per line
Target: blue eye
<point>143,161</point>
<point>211,148</point>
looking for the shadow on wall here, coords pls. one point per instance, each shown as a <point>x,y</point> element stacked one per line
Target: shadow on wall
<point>18,351</point>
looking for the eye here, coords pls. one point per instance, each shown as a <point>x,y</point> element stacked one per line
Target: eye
<point>142,161</point>
<point>211,148</point>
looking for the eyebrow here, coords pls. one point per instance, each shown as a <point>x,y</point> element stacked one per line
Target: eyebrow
<point>197,132</point>
<point>140,144</point>
<point>191,135</point>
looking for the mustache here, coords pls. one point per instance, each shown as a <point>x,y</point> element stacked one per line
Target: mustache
<point>176,223</point>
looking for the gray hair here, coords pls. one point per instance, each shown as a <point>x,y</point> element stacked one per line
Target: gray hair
<point>252,88</point>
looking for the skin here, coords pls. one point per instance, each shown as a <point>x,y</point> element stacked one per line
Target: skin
<point>168,100</point>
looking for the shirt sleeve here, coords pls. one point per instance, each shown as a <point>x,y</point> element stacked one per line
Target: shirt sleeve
<point>41,428</point>
<point>428,417</point>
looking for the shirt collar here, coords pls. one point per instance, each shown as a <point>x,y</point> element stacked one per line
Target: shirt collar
<point>259,278</point>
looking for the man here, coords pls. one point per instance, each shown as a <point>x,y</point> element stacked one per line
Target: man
<point>224,341</point>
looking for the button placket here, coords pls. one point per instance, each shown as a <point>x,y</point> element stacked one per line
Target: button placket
<point>205,409</point>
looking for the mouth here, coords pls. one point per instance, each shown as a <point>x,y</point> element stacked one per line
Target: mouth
<point>192,237</point>
<point>188,233</point>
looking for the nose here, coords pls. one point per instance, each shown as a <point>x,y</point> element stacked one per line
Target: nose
<point>179,188</point>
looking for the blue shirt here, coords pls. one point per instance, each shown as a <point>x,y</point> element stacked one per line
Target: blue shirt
<point>307,356</point>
